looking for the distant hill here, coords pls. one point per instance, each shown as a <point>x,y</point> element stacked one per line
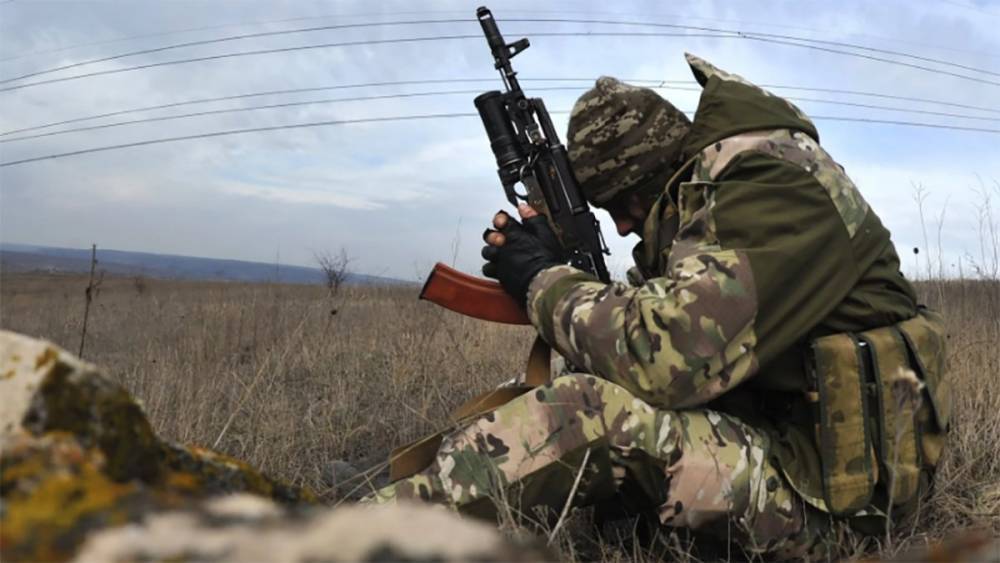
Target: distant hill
<point>15,258</point>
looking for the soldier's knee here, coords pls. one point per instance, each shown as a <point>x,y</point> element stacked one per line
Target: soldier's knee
<point>572,381</point>
<point>590,383</point>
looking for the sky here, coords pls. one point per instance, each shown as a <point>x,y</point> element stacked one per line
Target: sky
<point>401,195</point>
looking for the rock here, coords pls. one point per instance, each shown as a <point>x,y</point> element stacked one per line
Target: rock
<point>247,528</point>
<point>83,475</point>
<point>78,454</point>
<point>56,492</point>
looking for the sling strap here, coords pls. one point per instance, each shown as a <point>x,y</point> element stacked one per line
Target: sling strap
<point>416,456</point>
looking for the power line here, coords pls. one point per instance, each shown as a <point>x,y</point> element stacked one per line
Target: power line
<point>253,108</point>
<point>900,122</point>
<point>754,37</point>
<point>241,54</point>
<point>738,33</point>
<point>260,94</point>
<point>891,108</point>
<point>446,93</point>
<point>212,27</point>
<point>238,132</point>
<point>764,39</point>
<point>276,50</point>
<point>532,10</point>
<point>419,117</point>
<point>880,95</point>
<point>479,37</point>
<point>647,81</point>
<point>224,40</point>
<point>779,36</point>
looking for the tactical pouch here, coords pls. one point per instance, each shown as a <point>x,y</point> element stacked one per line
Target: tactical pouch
<point>883,406</point>
<point>843,435</point>
<point>926,341</point>
<point>897,397</point>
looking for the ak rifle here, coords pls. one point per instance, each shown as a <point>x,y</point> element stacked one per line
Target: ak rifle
<point>528,152</point>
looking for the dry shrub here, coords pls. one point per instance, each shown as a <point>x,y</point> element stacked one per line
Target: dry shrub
<point>966,490</point>
<point>262,372</point>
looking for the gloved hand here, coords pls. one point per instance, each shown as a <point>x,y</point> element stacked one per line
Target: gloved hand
<point>516,252</point>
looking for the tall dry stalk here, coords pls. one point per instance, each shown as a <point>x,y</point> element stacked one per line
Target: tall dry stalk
<point>89,298</point>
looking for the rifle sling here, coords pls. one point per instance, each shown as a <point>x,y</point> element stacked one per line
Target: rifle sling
<point>416,456</point>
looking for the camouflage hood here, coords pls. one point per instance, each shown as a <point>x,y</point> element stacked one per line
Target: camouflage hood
<point>729,105</point>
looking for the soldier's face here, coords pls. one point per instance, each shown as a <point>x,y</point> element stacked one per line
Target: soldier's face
<point>628,213</point>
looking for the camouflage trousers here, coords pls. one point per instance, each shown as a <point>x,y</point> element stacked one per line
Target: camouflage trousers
<point>587,437</point>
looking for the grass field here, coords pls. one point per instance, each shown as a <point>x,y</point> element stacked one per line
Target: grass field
<point>291,380</point>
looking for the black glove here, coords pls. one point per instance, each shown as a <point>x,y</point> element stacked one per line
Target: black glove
<point>527,250</point>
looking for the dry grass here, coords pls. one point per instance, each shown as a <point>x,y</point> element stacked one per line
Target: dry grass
<point>287,379</point>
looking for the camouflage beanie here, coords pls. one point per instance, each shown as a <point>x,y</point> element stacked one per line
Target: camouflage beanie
<point>623,137</point>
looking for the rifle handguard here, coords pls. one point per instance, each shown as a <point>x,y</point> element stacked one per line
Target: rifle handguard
<point>472,296</point>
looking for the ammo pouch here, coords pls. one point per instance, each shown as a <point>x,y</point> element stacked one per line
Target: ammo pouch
<point>882,406</point>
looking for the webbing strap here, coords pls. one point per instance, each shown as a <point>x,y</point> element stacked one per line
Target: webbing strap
<point>416,456</point>
<point>539,366</point>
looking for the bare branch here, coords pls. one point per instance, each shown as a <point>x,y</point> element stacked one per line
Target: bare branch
<point>335,267</point>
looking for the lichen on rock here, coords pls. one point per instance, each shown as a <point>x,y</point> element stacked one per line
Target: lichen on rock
<point>78,454</point>
<point>83,475</point>
<point>56,492</point>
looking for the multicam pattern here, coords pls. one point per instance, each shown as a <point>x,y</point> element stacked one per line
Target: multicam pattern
<point>677,341</point>
<point>926,337</point>
<point>642,131</point>
<point>711,468</point>
<point>799,149</point>
<point>897,436</point>
<point>684,334</point>
<point>845,439</point>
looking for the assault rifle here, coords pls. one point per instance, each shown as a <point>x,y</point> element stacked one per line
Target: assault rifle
<point>528,152</point>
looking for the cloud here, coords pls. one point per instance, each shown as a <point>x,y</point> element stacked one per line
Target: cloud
<point>400,193</point>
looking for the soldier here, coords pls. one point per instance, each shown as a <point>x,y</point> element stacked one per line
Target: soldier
<point>766,376</point>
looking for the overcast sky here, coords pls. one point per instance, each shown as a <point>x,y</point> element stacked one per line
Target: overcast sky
<point>399,196</point>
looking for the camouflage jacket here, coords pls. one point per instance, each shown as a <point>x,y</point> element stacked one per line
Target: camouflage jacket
<point>759,244</point>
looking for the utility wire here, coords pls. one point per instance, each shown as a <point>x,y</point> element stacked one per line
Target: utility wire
<point>224,40</point>
<point>447,93</point>
<point>646,81</point>
<point>238,132</point>
<point>532,11</point>
<point>418,117</point>
<point>734,32</point>
<point>879,95</point>
<point>213,27</point>
<point>242,54</point>
<point>755,37</point>
<point>259,94</point>
<point>285,50</point>
<point>763,38</point>
<point>268,106</point>
<point>740,33</point>
<point>888,108</point>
